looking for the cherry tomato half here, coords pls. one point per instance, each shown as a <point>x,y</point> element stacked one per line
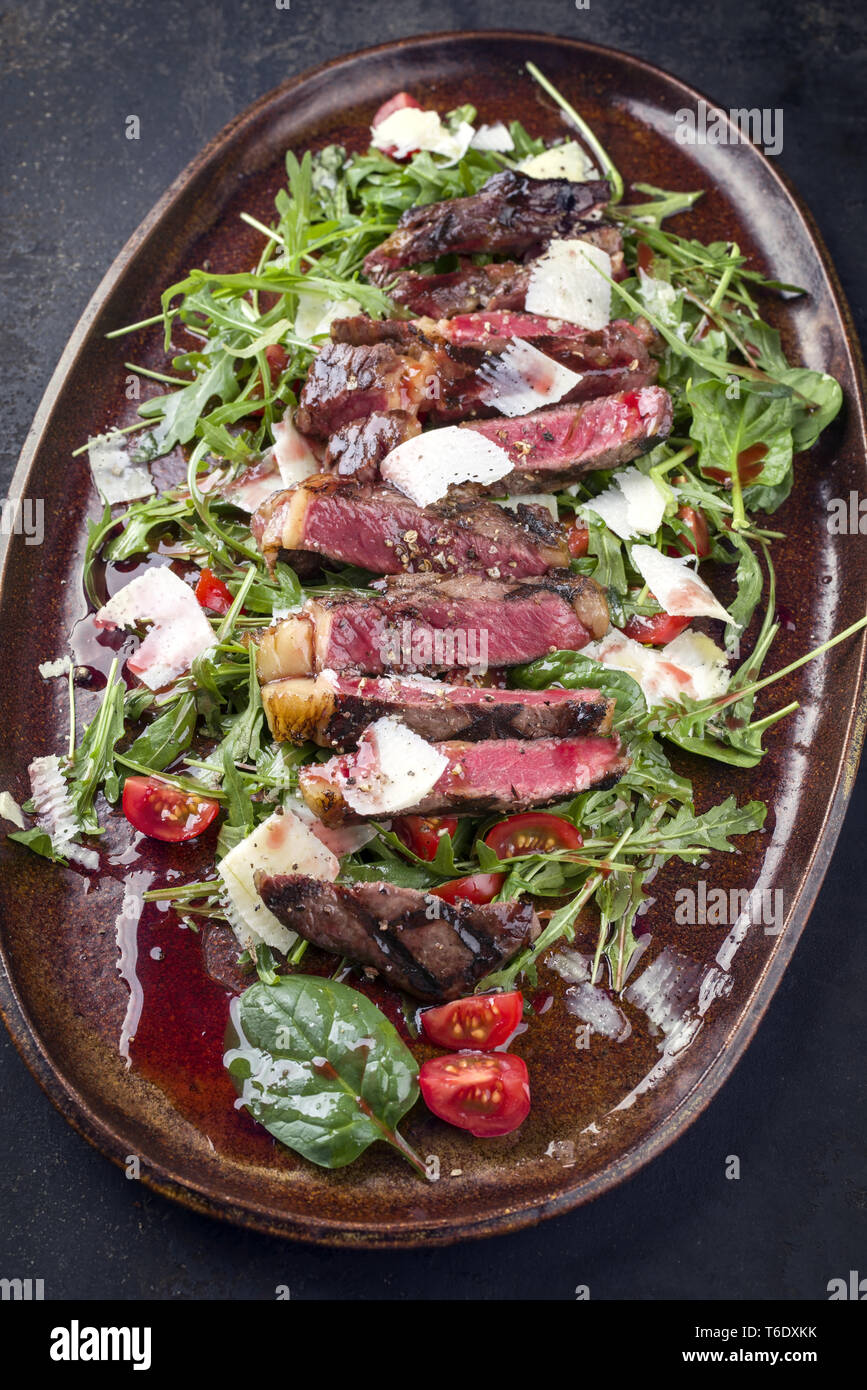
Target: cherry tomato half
<point>657,630</point>
<point>163,812</point>
<point>695,521</point>
<point>480,1022</point>
<point>487,1093</point>
<point>577,540</point>
<point>398,102</point>
<point>533,832</point>
<point>213,593</point>
<point>422,834</point>
<point>476,888</point>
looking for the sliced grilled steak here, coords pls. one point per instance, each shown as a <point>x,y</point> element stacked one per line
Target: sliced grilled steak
<point>432,949</point>
<point>347,384</point>
<point>422,624</point>
<point>357,450</point>
<point>496,286</point>
<point>334,711</point>
<point>501,285</point>
<point>399,372</point>
<point>510,215</point>
<point>380,530</point>
<point>490,777</point>
<point>553,448</point>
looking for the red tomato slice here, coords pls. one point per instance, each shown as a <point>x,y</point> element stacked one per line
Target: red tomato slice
<point>696,521</point>
<point>213,593</point>
<point>656,631</point>
<point>422,834</point>
<point>533,832</point>
<point>480,1022</point>
<point>163,812</point>
<point>577,540</point>
<point>476,888</point>
<point>487,1093</point>
<point>398,102</point>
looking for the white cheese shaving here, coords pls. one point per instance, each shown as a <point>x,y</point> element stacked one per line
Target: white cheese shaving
<point>10,810</point>
<point>409,129</point>
<point>566,161</point>
<point>676,586</point>
<point>282,844</point>
<point>180,630</point>
<point>494,138</point>
<point>566,283</point>
<point>115,476</point>
<point>393,770</point>
<point>522,379</point>
<point>49,669</point>
<point>54,810</point>
<point>426,467</point>
<point>691,665</point>
<point>316,313</point>
<point>254,485</point>
<point>294,456</point>
<point>632,506</point>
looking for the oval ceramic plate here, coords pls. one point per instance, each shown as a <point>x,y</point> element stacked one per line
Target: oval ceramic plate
<point>78,984</point>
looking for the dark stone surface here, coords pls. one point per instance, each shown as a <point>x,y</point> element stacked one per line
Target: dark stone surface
<point>73,190</point>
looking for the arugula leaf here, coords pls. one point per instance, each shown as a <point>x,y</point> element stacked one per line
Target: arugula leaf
<point>323,1069</point>
<point>39,841</point>
<point>167,736</point>
<point>91,765</point>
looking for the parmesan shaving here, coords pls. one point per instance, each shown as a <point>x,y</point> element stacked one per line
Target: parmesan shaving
<point>393,769</point>
<point>676,586</point>
<point>633,505</point>
<point>282,844</point>
<point>115,476</point>
<point>424,468</point>
<point>180,630</point>
<point>522,379</point>
<point>566,283</point>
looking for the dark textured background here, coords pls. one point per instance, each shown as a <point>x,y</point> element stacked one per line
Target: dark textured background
<point>73,188</point>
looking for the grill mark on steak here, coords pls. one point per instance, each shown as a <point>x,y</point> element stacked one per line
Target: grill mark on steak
<point>510,214</point>
<point>356,450</point>
<point>433,957</point>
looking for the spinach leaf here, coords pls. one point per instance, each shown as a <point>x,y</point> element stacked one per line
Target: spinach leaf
<point>322,1069</point>
<point>577,672</point>
<point>818,396</point>
<point>725,425</point>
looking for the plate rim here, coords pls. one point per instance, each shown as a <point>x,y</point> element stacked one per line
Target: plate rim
<point>381,1235</point>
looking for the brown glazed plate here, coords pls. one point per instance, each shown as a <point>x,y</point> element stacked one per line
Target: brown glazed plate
<point>78,979</point>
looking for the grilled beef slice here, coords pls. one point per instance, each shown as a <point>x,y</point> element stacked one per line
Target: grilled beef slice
<point>333,711</point>
<point>510,215</point>
<point>492,777</point>
<point>380,530</point>
<point>432,949</point>
<point>552,448</point>
<point>499,285</point>
<point>423,623</point>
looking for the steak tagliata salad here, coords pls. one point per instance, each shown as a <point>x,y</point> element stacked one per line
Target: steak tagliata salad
<point>478,456</point>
